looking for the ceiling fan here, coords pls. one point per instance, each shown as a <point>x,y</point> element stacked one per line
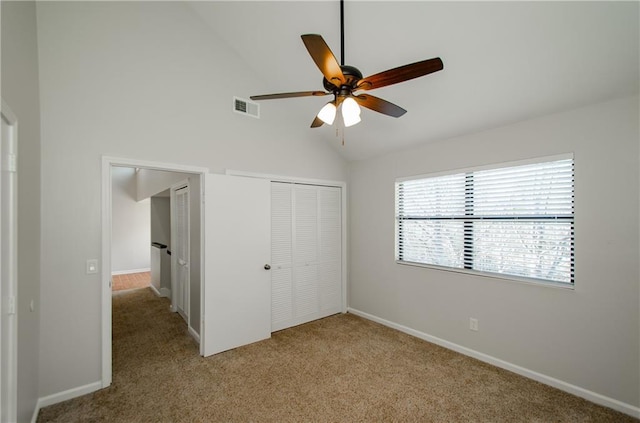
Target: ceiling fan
<point>343,82</point>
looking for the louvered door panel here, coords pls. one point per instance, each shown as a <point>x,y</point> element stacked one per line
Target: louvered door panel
<point>330,248</point>
<point>181,250</point>
<point>306,230</point>
<point>281,228</point>
<point>330,287</point>
<point>329,225</point>
<point>306,225</point>
<point>281,256</point>
<point>306,299</point>
<point>281,298</point>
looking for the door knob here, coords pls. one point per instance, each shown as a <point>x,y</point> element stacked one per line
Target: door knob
<point>267,267</point>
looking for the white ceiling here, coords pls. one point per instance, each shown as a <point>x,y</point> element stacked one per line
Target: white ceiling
<point>503,61</point>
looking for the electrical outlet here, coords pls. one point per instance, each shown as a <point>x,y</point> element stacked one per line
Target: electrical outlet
<point>473,324</point>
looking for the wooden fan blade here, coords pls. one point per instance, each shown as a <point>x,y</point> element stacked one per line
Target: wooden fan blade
<point>400,74</point>
<point>324,58</point>
<point>317,122</point>
<point>289,95</point>
<point>379,105</point>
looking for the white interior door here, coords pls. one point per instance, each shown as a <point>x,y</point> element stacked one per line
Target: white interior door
<point>237,288</point>
<point>180,249</point>
<point>8,267</point>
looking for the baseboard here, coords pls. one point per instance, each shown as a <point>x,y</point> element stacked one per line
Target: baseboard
<point>155,290</point>
<point>127,272</point>
<point>163,292</point>
<point>194,334</point>
<point>64,396</point>
<point>539,377</point>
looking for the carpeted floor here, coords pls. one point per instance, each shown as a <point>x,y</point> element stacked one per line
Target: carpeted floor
<point>339,369</point>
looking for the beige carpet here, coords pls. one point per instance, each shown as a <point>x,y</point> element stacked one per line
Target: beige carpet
<point>339,369</point>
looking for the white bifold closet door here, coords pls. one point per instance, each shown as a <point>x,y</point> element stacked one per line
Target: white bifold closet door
<point>306,253</point>
<point>181,251</point>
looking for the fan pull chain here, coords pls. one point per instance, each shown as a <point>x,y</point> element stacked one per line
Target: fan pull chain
<point>340,133</point>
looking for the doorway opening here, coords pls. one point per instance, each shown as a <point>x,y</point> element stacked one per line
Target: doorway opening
<point>130,232</point>
<point>154,179</point>
<point>232,235</point>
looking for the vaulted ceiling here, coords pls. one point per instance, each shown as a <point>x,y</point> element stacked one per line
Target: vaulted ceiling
<point>503,61</point>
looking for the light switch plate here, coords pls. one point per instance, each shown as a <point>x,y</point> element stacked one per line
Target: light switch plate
<point>92,266</point>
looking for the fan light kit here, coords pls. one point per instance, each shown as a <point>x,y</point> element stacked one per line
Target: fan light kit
<point>343,81</point>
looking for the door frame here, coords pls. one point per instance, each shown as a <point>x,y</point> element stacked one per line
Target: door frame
<point>11,405</point>
<point>319,182</point>
<point>107,163</point>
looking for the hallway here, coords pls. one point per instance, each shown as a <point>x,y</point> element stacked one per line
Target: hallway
<point>131,281</point>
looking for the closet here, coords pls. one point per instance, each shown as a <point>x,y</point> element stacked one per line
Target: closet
<point>306,253</point>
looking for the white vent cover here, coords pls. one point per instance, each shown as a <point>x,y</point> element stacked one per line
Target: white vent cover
<point>246,107</point>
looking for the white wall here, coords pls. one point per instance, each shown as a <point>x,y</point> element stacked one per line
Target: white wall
<point>151,182</point>
<point>161,220</point>
<point>131,223</point>
<point>143,80</point>
<point>20,91</point>
<point>588,337</point>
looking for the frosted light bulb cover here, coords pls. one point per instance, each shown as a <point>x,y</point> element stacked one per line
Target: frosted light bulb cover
<point>350,112</point>
<point>328,113</point>
<point>351,120</point>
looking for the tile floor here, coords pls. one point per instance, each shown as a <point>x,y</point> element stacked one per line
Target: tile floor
<point>131,281</point>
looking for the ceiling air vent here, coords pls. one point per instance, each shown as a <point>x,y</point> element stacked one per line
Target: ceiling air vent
<point>246,107</point>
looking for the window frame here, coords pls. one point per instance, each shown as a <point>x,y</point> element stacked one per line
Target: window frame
<point>467,269</point>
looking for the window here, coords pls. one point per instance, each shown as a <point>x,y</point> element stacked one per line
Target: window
<point>514,220</point>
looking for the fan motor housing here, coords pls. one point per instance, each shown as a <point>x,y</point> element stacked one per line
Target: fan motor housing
<point>351,74</point>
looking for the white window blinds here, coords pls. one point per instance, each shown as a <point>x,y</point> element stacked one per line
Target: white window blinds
<point>515,221</point>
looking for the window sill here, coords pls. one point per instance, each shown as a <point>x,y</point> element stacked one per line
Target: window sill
<point>510,278</point>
